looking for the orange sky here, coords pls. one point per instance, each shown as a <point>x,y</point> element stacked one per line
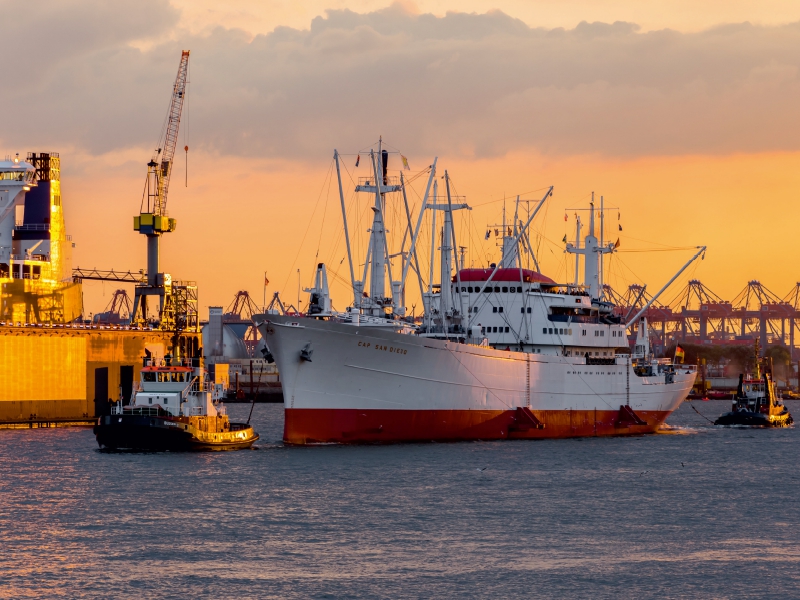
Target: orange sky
<point>685,118</point>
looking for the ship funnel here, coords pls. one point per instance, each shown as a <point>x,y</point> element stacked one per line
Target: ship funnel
<point>385,163</point>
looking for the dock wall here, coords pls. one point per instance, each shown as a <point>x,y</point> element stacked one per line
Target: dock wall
<point>52,374</point>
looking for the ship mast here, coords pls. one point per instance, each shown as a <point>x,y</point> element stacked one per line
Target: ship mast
<point>592,252</point>
<point>377,265</point>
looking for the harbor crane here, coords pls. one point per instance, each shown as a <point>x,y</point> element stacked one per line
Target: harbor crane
<point>153,220</point>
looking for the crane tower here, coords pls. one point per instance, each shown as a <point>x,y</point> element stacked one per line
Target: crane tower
<point>153,220</point>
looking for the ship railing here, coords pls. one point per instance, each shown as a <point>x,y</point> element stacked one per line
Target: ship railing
<point>146,411</point>
<point>32,226</point>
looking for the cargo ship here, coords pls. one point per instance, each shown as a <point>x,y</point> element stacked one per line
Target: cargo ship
<point>502,352</point>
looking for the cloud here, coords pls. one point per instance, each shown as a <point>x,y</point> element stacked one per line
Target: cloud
<point>476,84</point>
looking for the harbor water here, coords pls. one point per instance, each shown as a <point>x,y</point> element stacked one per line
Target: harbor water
<point>697,512</point>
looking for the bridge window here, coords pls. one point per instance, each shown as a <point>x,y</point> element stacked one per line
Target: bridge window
<point>529,310</point>
<point>497,289</point>
<point>500,309</point>
<point>583,332</point>
<point>602,333</point>
<point>494,309</point>
<point>469,289</point>
<point>506,329</point>
<point>487,289</point>
<point>494,330</point>
<point>505,290</point>
<point>512,289</point>
<point>544,329</point>
<point>550,330</point>
<point>463,289</point>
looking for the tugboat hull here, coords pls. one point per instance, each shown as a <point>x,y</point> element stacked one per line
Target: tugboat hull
<point>150,433</point>
<point>745,418</point>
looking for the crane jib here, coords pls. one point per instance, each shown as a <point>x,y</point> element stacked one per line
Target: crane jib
<point>154,201</point>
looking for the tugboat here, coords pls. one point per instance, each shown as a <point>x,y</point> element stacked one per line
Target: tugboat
<point>756,403</point>
<point>174,407</point>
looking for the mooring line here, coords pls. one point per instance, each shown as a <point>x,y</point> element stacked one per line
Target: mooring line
<point>699,413</point>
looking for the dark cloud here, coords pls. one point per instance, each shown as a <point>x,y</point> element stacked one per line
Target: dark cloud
<point>481,84</point>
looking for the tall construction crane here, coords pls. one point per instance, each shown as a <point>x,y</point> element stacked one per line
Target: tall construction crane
<point>153,220</point>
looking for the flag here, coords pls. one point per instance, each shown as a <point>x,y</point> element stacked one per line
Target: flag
<point>266,281</point>
<point>358,159</point>
<point>565,217</point>
<point>509,232</point>
<point>616,244</point>
<point>620,227</point>
<point>618,216</point>
<point>679,354</point>
<point>496,232</point>
<point>565,238</point>
<point>405,163</point>
<point>488,233</point>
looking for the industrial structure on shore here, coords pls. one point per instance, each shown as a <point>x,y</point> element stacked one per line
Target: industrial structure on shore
<point>699,316</point>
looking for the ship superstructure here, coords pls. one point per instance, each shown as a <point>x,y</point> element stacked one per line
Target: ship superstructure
<point>35,251</point>
<point>501,352</point>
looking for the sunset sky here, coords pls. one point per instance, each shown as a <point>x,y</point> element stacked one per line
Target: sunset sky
<point>685,116</point>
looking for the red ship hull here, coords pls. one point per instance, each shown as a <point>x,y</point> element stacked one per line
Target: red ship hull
<point>358,426</point>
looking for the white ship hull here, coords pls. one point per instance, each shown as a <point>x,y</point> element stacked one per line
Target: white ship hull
<point>377,386</point>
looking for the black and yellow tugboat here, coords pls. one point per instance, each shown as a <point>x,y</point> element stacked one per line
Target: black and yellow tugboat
<point>174,408</point>
<point>756,403</point>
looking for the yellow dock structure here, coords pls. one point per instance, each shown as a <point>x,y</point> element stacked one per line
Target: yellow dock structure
<point>72,373</point>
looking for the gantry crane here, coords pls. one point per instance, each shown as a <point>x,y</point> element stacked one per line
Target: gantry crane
<point>153,220</point>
